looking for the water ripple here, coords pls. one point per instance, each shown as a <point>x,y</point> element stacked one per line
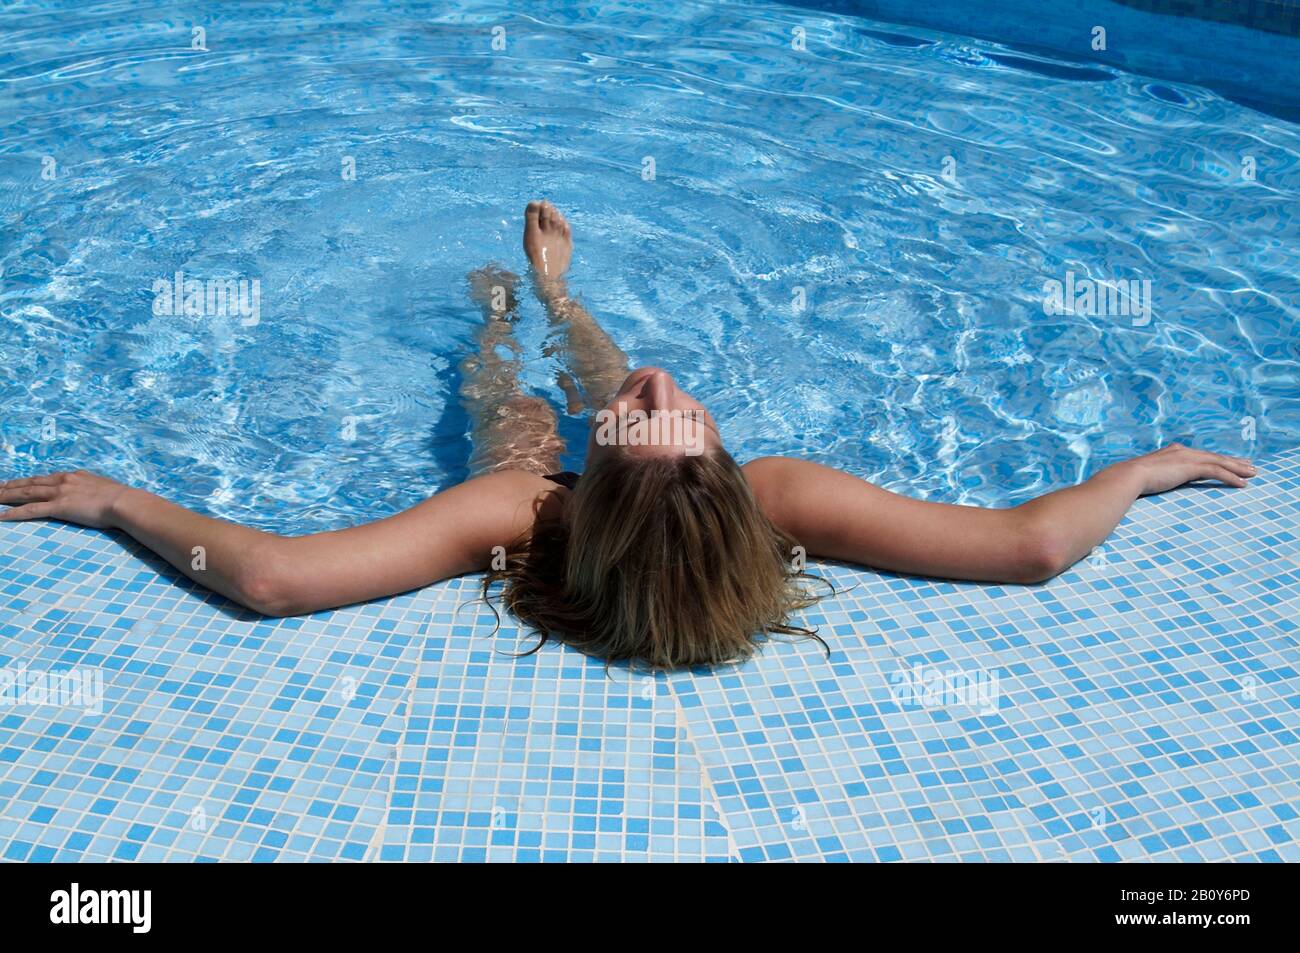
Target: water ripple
<point>841,250</point>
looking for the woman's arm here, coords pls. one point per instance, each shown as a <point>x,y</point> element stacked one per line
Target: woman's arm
<point>450,533</point>
<point>837,516</point>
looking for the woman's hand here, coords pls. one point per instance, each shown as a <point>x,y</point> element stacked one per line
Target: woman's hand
<point>1174,465</point>
<point>79,497</point>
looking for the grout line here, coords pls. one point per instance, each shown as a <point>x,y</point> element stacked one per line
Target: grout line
<point>706,782</point>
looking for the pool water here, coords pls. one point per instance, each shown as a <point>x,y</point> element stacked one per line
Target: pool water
<point>836,233</point>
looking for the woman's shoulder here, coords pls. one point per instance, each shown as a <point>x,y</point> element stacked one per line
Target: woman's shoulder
<point>495,507</point>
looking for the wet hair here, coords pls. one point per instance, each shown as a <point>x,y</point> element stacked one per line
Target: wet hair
<point>665,560</point>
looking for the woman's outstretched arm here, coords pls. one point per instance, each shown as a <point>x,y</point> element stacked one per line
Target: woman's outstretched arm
<point>838,516</point>
<point>450,533</point>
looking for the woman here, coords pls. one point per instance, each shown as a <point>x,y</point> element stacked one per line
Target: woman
<point>664,551</point>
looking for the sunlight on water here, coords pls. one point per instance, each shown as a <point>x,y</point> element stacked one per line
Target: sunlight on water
<point>842,249</point>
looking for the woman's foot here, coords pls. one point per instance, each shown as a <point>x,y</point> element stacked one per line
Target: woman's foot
<point>493,288</point>
<point>548,245</point>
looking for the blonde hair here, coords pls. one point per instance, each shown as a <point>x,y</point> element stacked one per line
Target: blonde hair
<point>662,560</point>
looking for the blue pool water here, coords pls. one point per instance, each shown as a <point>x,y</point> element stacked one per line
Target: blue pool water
<point>919,187</point>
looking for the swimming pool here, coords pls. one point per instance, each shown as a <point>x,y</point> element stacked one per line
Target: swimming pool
<point>1146,701</point>
<point>837,233</point>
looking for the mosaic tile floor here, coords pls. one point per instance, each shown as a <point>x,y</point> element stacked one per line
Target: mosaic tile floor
<point>1144,706</point>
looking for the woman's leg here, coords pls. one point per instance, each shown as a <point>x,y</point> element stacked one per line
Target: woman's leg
<point>511,430</point>
<point>589,353</point>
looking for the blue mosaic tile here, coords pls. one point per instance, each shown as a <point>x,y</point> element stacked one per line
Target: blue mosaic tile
<point>1146,707</point>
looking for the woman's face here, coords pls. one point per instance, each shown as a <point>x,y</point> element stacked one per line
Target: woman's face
<point>650,414</point>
